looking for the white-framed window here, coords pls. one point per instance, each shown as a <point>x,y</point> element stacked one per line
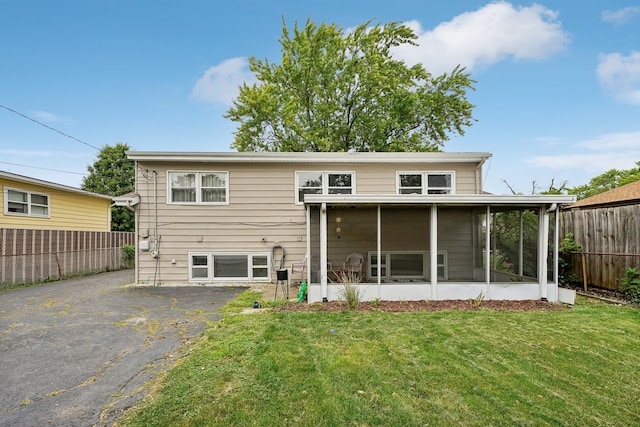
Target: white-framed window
<point>192,188</point>
<point>218,266</point>
<point>312,182</point>
<point>405,265</point>
<point>26,203</point>
<point>425,182</point>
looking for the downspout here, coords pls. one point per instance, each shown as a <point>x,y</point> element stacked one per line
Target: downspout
<point>136,278</point>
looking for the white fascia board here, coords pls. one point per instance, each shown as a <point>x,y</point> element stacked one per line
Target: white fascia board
<point>441,199</point>
<point>302,157</point>
<point>48,184</point>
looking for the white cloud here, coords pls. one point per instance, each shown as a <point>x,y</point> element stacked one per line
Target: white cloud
<point>620,16</point>
<point>486,36</point>
<point>596,155</point>
<point>621,76</point>
<point>50,117</point>
<point>220,84</point>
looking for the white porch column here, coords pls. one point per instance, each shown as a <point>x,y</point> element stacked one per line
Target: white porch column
<point>487,249</point>
<point>556,255</point>
<point>323,252</point>
<point>433,252</point>
<point>378,250</point>
<point>308,256</point>
<point>543,246</point>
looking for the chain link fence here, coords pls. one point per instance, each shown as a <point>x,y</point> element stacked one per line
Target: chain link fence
<point>30,256</point>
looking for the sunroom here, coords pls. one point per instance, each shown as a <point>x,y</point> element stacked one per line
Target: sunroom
<point>434,247</point>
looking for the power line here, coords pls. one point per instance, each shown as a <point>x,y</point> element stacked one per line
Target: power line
<point>46,169</point>
<point>49,127</point>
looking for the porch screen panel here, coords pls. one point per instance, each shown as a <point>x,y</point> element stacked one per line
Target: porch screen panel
<point>314,244</point>
<point>514,244</point>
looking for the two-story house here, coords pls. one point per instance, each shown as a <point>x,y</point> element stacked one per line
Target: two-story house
<point>418,225</point>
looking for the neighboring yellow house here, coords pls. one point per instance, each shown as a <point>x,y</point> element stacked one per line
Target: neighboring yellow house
<point>36,204</point>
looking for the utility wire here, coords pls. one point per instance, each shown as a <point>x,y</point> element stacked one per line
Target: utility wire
<point>49,127</point>
<point>46,169</point>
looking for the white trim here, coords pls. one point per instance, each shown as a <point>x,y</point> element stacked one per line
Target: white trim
<point>424,189</point>
<point>442,199</point>
<point>304,157</point>
<point>52,185</point>
<point>250,267</point>
<point>198,188</point>
<point>29,203</point>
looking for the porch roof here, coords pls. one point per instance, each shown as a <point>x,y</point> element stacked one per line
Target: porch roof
<point>438,199</point>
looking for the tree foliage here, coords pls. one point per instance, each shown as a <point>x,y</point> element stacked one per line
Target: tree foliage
<point>113,174</point>
<point>343,91</point>
<point>609,180</point>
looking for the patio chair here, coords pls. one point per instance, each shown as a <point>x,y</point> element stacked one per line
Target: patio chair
<point>352,266</point>
<point>299,267</point>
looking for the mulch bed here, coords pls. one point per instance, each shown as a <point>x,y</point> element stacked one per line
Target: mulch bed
<point>405,306</point>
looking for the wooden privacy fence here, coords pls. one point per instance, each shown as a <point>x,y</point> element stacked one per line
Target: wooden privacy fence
<point>610,240</point>
<point>28,256</point>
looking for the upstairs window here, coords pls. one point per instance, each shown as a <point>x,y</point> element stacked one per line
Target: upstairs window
<point>323,183</point>
<point>425,183</point>
<point>209,188</point>
<point>18,202</point>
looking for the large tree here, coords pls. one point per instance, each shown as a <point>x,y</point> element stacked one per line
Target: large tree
<point>343,91</point>
<point>609,180</point>
<point>113,174</point>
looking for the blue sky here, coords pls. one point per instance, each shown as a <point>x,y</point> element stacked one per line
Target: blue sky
<point>557,94</point>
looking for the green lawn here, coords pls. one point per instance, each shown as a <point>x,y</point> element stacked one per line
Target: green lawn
<point>577,367</point>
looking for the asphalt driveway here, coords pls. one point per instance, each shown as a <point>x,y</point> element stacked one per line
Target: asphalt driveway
<point>79,352</point>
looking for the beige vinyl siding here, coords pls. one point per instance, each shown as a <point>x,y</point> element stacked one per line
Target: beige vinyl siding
<point>381,178</point>
<point>260,207</point>
<point>261,213</point>
<point>67,210</point>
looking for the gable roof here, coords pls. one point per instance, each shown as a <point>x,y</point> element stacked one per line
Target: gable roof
<point>48,184</point>
<point>627,194</point>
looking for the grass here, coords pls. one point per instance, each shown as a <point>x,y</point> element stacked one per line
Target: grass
<point>577,367</point>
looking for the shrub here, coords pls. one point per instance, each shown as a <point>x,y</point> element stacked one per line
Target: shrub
<point>129,255</point>
<point>351,293</point>
<point>565,262</point>
<point>630,285</point>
